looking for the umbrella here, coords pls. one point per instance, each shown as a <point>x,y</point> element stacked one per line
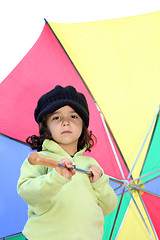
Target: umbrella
<point>115,63</point>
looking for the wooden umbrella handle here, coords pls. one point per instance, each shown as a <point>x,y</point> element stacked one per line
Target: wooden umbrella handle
<point>35,158</point>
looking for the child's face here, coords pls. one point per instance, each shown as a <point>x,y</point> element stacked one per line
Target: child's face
<point>65,126</point>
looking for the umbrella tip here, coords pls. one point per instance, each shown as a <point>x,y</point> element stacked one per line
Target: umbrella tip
<point>45,20</point>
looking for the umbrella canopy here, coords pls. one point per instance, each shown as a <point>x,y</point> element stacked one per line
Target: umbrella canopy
<point>115,63</point>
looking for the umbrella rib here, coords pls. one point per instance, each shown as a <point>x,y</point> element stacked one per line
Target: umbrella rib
<point>150,142</point>
<point>143,143</point>
<point>117,187</point>
<point>142,189</point>
<point>123,218</point>
<point>148,174</point>
<point>14,139</point>
<point>117,214</point>
<point>140,214</point>
<point>110,141</point>
<point>149,180</point>
<point>121,193</point>
<point>148,216</point>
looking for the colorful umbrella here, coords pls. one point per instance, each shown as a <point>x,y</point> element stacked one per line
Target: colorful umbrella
<point>115,63</point>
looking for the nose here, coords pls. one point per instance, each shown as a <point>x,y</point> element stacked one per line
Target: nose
<point>65,122</point>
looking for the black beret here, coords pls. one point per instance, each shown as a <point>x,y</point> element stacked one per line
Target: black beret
<point>60,97</point>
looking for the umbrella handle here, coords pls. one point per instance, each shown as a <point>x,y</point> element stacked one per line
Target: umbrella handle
<point>35,158</point>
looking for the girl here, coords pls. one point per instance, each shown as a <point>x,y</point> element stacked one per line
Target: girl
<point>64,204</point>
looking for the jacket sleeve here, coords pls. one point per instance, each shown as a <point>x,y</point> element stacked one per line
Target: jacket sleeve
<point>107,199</point>
<point>36,186</point>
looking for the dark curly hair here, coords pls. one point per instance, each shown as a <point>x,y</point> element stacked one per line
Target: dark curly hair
<point>35,142</point>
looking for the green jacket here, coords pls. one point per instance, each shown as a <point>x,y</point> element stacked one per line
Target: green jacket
<point>61,208</point>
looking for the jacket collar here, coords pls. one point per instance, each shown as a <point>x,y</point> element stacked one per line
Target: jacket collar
<point>50,145</point>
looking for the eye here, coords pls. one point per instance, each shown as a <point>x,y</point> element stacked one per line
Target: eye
<point>56,118</point>
<point>74,116</point>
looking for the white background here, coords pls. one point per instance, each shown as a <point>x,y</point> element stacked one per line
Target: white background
<point>21,22</point>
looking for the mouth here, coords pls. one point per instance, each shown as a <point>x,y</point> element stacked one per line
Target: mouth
<point>66,132</point>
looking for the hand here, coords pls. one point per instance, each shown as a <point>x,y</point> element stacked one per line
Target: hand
<point>67,170</point>
<point>96,173</point>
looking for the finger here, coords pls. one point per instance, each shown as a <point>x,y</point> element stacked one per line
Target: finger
<point>67,163</point>
<point>72,171</point>
<point>95,168</point>
<point>95,171</point>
